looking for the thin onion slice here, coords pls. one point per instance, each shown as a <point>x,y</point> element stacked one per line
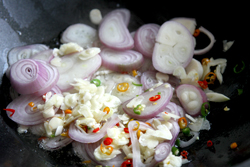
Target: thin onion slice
<point>174,47</point>
<point>211,44</point>
<point>25,52</point>
<point>29,76</point>
<point>191,141</point>
<point>191,98</point>
<point>24,114</point>
<point>81,34</point>
<point>152,107</point>
<point>145,39</point>
<point>148,79</point>
<point>73,67</point>
<point>45,55</point>
<point>113,31</point>
<point>83,137</point>
<point>162,151</point>
<point>121,61</point>
<point>55,143</point>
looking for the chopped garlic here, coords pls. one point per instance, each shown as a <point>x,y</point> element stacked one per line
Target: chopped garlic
<point>227,45</point>
<point>69,48</point>
<point>95,16</point>
<point>55,122</point>
<point>226,109</point>
<point>89,53</point>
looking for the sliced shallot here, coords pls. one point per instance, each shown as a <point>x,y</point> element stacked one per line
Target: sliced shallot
<point>25,52</point>
<point>24,114</point>
<point>121,61</point>
<point>113,31</point>
<point>81,34</point>
<point>83,137</point>
<point>29,76</point>
<point>55,143</point>
<point>174,47</point>
<point>145,39</point>
<point>45,55</point>
<point>211,44</point>
<point>191,98</point>
<point>148,79</point>
<point>73,67</point>
<point>152,108</point>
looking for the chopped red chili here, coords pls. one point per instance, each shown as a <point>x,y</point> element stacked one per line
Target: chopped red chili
<point>209,143</point>
<point>127,163</point>
<point>108,141</point>
<point>96,130</point>
<point>155,98</point>
<point>184,154</point>
<point>10,110</point>
<point>126,130</point>
<point>203,84</point>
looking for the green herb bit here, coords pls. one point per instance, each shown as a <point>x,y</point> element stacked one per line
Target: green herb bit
<point>186,131</point>
<point>137,110</point>
<point>177,142</point>
<point>136,84</point>
<point>242,68</point>
<point>97,82</point>
<point>159,93</point>
<point>53,135</point>
<point>240,91</point>
<point>205,110</point>
<point>175,151</point>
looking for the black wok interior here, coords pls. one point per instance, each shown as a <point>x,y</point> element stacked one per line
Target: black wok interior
<point>42,21</point>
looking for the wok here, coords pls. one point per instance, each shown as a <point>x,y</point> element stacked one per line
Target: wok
<point>42,21</point>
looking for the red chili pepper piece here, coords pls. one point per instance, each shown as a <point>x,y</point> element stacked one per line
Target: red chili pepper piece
<point>184,154</point>
<point>209,143</point>
<point>108,141</point>
<point>10,110</point>
<point>96,130</point>
<point>126,130</point>
<point>155,98</point>
<point>127,163</point>
<point>117,124</point>
<point>203,84</point>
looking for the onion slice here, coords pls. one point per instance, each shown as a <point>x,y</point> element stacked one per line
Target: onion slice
<point>24,114</point>
<point>152,107</point>
<point>113,31</point>
<point>45,55</point>
<point>29,76</point>
<point>162,151</point>
<point>148,79</point>
<point>191,141</point>
<point>73,67</point>
<point>174,47</point>
<point>55,143</point>
<point>211,44</point>
<point>25,52</point>
<point>121,61</point>
<point>191,98</point>
<point>81,34</point>
<point>83,137</point>
<point>145,39</point>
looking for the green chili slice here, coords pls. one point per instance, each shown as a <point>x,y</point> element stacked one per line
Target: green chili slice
<point>136,110</point>
<point>242,68</point>
<point>136,84</point>
<point>97,82</point>
<point>175,150</point>
<point>240,91</point>
<point>186,131</point>
<point>205,110</point>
